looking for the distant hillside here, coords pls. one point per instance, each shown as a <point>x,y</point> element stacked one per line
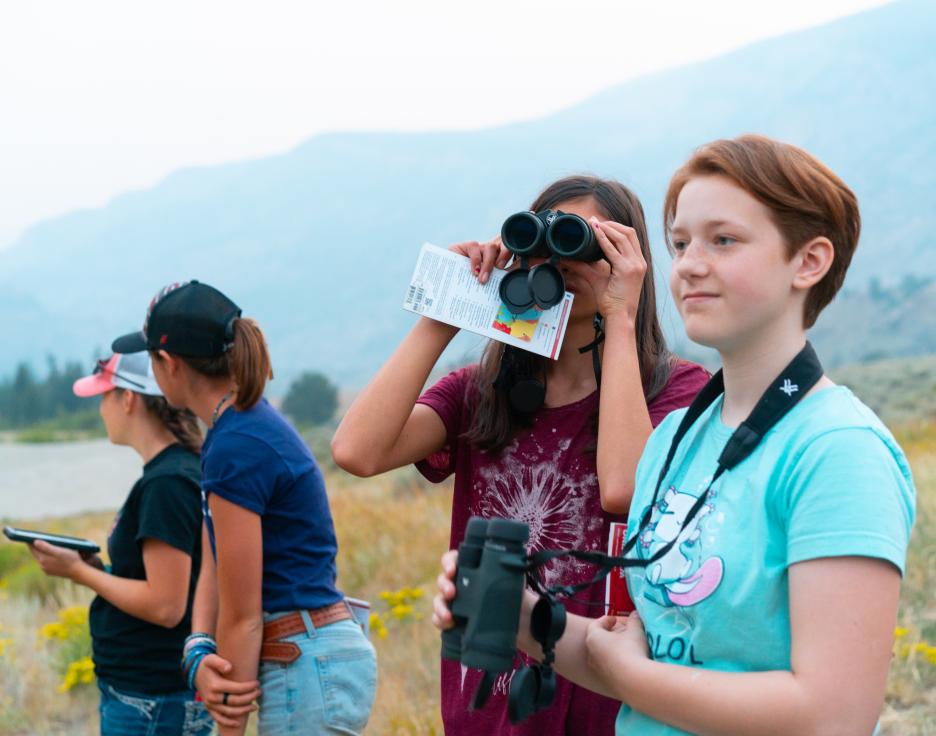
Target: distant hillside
<point>317,243</point>
<point>900,390</point>
<point>879,322</point>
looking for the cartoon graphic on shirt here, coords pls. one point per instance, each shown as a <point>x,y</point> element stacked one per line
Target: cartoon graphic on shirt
<point>683,576</point>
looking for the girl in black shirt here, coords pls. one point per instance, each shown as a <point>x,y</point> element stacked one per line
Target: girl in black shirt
<point>142,612</point>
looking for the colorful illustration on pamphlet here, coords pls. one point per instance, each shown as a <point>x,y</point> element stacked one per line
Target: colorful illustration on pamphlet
<point>520,326</point>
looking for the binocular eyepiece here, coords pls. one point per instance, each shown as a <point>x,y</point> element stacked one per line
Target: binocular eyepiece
<point>551,234</point>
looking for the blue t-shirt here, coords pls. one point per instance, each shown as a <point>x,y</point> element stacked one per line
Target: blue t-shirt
<point>829,480</point>
<point>256,460</point>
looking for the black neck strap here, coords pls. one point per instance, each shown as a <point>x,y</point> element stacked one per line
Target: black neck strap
<point>598,324</point>
<point>785,392</point>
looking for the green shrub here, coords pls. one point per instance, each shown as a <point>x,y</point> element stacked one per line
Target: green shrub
<point>28,581</point>
<point>12,557</point>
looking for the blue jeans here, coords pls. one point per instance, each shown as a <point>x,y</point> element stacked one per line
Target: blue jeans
<point>329,690</point>
<point>137,714</point>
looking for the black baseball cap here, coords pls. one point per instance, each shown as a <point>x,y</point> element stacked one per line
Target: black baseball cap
<point>190,319</point>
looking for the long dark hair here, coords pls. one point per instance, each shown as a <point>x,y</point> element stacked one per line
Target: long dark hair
<point>494,423</point>
<point>182,423</point>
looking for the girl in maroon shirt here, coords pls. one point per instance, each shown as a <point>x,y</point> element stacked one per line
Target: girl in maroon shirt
<point>567,470</point>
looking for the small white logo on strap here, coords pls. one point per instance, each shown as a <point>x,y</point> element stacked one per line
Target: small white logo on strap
<point>788,387</point>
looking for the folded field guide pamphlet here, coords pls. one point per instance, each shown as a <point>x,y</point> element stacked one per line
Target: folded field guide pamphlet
<point>444,288</point>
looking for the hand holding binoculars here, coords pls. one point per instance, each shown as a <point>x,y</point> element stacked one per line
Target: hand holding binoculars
<point>489,583</point>
<point>551,234</point>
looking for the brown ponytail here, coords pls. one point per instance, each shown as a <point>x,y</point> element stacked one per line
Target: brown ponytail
<point>247,363</point>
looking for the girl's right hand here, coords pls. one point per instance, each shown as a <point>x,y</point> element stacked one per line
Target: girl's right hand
<point>484,256</point>
<point>441,615</point>
<point>211,684</point>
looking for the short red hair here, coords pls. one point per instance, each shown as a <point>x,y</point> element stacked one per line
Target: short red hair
<point>805,198</point>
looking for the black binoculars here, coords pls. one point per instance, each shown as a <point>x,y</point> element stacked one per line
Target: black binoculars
<point>489,582</point>
<point>551,234</point>
<point>488,591</point>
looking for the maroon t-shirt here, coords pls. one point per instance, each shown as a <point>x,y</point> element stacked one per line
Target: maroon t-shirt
<point>547,478</point>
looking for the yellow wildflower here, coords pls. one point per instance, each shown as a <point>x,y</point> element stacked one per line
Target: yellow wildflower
<point>377,625</point>
<point>401,611</point>
<point>900,632</point>
<point>53,630</point>
<point>80,672</point>
<point>74,617</point>
<point>71,622</point>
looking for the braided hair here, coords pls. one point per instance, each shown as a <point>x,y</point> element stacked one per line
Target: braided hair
<point>182,423</point>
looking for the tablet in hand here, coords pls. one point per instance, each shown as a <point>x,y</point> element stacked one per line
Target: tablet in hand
<point>85,546</point>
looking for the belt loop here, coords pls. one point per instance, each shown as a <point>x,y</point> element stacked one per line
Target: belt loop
<point>307,620</point>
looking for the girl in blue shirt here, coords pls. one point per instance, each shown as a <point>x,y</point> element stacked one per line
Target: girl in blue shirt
<point>773,610</point>
<point>268,605</point>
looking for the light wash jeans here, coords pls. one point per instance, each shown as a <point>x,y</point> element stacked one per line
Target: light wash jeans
<point>137,714</point>
<point>329,690</point>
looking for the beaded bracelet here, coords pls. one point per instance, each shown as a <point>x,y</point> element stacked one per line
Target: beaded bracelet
<point>195,638</point>
<point>197,646</point>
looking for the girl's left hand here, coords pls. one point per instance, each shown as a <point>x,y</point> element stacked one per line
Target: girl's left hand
<point>56,561</point>
<point>610,639</point>
<point>618,288</point>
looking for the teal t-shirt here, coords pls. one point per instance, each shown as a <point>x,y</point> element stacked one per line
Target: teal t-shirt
<point>828,480</point>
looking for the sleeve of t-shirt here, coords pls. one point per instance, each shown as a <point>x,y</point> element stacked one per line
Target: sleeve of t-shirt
<point>170,511</point>
<point>242,470</point>
<point>686,380</point>
<point>447,397</point>
<point>848,494</point>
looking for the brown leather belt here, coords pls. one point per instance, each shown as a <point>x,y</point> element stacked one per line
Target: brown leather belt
<point>273,650</point>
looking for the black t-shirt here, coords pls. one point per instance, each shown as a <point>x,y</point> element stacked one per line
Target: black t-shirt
<point>164,504</point>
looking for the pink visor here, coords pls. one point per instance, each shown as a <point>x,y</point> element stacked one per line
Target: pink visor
<point>99,382</point>
<point>133,372</point>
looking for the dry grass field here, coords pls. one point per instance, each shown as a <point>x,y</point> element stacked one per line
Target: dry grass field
<point>391,531</point>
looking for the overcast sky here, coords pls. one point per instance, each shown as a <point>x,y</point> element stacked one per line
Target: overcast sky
<point>102,96</point>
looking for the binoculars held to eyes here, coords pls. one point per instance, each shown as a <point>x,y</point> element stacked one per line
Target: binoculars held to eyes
<point>551,234</point>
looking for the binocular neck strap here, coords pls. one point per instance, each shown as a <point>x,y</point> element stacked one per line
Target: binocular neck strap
<point>785,392</point>
<point>598,324</point>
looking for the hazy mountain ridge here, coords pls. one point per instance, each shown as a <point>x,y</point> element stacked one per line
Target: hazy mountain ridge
<point>318,243</point>
<point>878,323</point>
